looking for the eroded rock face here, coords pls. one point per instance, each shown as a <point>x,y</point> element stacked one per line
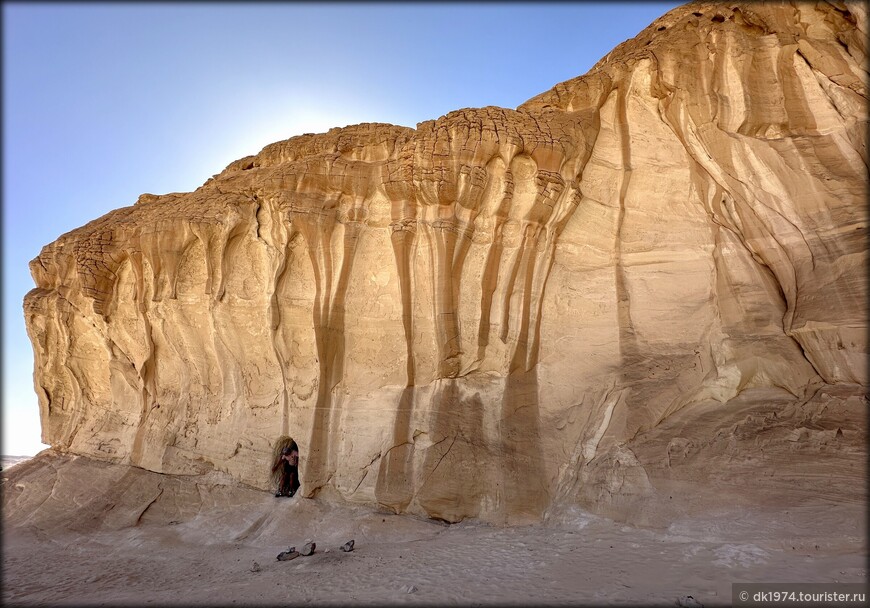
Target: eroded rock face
<point>497,312</point>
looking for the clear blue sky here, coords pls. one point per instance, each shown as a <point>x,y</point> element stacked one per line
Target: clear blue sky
<point>102,102</point>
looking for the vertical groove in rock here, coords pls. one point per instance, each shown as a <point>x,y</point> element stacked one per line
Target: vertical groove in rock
<point>629,351</point>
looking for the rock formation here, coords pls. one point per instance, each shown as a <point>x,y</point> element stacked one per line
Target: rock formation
<point>649,280</point>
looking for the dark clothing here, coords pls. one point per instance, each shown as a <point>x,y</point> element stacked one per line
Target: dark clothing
<point>289,479</point>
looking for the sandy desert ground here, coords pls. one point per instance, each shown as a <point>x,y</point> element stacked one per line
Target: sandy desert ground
<point>574,559</point>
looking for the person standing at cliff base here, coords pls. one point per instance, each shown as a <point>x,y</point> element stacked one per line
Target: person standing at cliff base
<point>288,467</point>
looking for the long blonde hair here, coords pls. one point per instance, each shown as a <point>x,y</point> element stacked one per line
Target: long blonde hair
<point>284,441</point>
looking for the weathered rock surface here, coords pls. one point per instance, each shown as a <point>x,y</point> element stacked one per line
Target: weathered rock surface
<point>649,280</point>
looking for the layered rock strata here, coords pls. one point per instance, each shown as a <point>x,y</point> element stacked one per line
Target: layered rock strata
<point>502,311</point>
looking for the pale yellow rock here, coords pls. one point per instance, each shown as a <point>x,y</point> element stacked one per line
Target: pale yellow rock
<point>502,312</point>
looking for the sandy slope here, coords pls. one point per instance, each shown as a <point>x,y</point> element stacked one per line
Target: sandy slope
<point>204,557</point>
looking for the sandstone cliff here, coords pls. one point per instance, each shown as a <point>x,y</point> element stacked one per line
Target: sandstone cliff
<point>648,280</point>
